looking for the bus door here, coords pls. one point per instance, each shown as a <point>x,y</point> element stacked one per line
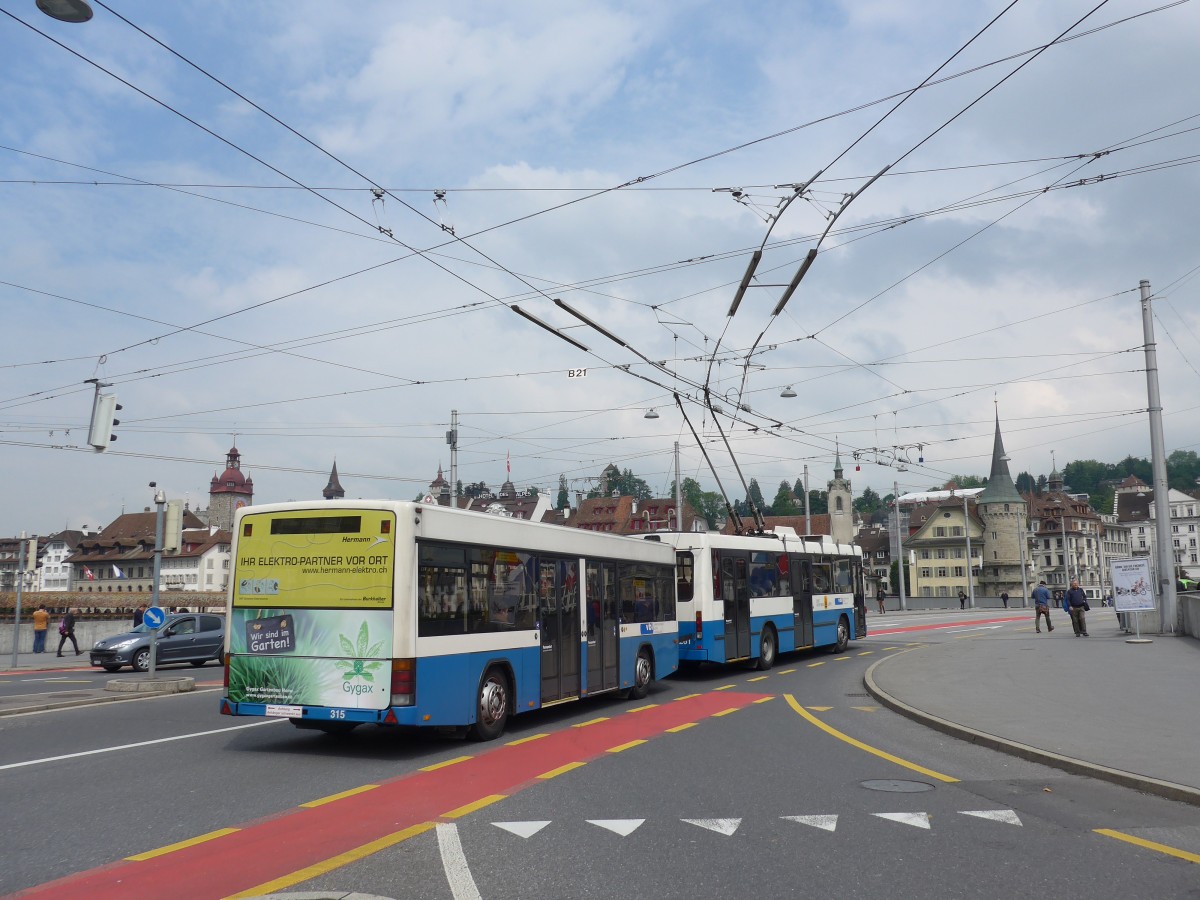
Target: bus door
<point>603,639</point>
<point>802,610</point>
<point>558,621</point>
<point>735,593</point>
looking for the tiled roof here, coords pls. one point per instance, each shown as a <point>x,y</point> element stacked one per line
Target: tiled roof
<point>820,523</point>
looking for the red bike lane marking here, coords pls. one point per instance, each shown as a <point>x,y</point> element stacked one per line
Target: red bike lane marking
<point>871,632</point>
<point>262,851</point>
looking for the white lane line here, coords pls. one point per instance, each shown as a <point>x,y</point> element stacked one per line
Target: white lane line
<point>825,823</point>
<point>166,740</point>
<point>721,826</point>
<point>454,861</point>
<point>1007,816</point>
<point>915,819</point>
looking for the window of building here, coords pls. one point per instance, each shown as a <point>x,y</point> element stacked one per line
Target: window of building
<point>924,554</point>
<point>941,572</point>
<point>941,554</point>
<point>926,572</point>
<point>956,531</point>
<point>958,572</point>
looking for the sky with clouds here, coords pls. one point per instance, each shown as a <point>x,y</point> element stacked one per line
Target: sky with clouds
<point>306,224</point>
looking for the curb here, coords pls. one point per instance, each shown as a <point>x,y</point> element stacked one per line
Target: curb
<point>175,685</point>
<point>1171,791</point>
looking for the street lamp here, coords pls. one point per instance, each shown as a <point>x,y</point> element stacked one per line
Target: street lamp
<point>73,11</point>
<point>160,499</point>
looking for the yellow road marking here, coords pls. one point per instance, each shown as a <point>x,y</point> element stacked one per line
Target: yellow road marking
<point>882,754</point>
<point>764,699</point>
<point>814,665</point>
<point>866,653</point>
<point>554,773</point>
<point>785,671</point>
<point>526,740</point>
<point>311,804</point>
<point>590,722</point>
<point>890,648</point>
<point>471,807</point>
<point>820,708</point>
<point>759,678</point>
<point>683,727</point>
<point>725,712</point>
<point>841,658</point>
<point>686,697</point>
<point>334,862</point>
<point>442,765</point>
<point>190,842</point>
<point>866,708</point>
<point>621,747</point>
<point>640,708</point>
<point>1149,845</point>
<point>724,687</point>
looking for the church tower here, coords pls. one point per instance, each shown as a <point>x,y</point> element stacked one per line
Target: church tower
<point>1005,526</point>
<point>841,505</point>
<point>333,490</point>
<point>229,492</point>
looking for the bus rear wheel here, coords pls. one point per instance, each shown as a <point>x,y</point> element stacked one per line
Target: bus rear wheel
<point>768,648</point>
<point>643,674</point>
<point>491,713</point>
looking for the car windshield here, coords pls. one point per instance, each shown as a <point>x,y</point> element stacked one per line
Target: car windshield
<point>146,629</point>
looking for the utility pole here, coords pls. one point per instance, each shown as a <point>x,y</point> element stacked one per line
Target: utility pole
<point>1024,573</point>
<point>20,582</point>
<point>678,493</point>
<point>899,546</point>
<point>1158,466</point>
<point>807,514</point>
<point>160,498</point>
<point>967,532</point>
<point>452,440</point>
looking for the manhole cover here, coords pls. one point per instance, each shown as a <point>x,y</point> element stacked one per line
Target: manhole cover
<point>895,786</point>
<point>858,695</point>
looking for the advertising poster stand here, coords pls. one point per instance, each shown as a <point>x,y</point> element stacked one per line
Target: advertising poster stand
<point>1133,591</point>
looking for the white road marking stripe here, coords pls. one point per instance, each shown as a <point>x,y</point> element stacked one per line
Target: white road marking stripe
<point>917,820</point>
<point>623,827</point>
<point>826,823</point>
<point>454,861</point>
<point>166,740</point>
<point>522,829</point>
<point>721,826</point>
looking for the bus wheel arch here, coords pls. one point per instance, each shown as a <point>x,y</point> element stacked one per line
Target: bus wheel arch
<point>493,703</point>
<point>643,672</point>
<point>768,647</point>
<point>843,635</point>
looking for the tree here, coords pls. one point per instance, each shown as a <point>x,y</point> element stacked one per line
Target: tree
<point>818,502</point>
<point>969,481</point>
<point>894,583</point>
<point>1026,484</point>
<point>564,495</point>
<point>868,501</point>
<point>754,495</point>
<point>624,484</point>
<point>784,503</point>
<point>709,504</point>
<point>477,489</point>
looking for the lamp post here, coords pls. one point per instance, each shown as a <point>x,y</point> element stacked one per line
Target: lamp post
<point>160,498</point>
<point>967,533</point>
<point>899,546</point>
<point>17,610</point>
<point>1024,574</point>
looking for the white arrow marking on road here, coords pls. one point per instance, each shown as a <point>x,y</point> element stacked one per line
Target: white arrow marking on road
<point>827,823</point>
<point>721,826</point>
<point>917,820</point>
<point>522,829</point>
<point>996,815</point>
<point>623,827</point>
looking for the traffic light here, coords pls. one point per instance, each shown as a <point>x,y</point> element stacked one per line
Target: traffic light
<point>104,408</point>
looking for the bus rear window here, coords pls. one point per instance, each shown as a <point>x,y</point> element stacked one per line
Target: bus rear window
<point>317,525</point>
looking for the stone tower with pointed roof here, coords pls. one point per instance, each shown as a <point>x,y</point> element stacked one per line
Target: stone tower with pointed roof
<point>229,492</point>
<point>841,504</point>
<point>333,490</point>
<point>1005,526</point>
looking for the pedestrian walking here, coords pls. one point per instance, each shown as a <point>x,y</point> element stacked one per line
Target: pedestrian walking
<point>1004,598</point>
<point>880,598</point>
<point>962,600</point>
<point>138,615</point>
<point>41,622</point>
<point>1041,607</point>
<point>66,632</point>
<point>1076,600</point>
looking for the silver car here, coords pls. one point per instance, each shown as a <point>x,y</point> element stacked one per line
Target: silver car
<point>193,638</point>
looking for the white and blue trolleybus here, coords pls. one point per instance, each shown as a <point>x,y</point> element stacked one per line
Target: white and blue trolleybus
<point>411,614</point>
<point>750,597</point>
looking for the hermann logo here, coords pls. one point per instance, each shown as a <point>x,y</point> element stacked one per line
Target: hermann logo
<point>355,540</point>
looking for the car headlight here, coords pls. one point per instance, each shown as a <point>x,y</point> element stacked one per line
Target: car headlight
<point>121,645</point>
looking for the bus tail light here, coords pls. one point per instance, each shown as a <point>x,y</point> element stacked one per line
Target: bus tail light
<point>404,682</point>
<point>699,626</point>
<point>226,660</point>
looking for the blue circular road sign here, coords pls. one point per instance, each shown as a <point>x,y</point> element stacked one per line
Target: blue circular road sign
<point>154,616</point>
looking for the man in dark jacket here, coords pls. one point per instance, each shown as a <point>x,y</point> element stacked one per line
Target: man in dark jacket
<point>1077,603</point>
<point>66,631</point>
<point>1041,606</point>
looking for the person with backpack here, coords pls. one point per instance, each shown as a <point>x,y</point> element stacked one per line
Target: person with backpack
<point>66,632</point>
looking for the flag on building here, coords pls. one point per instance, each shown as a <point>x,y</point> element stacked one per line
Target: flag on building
<point>87,573</point>
<point>117,573</point>
<point>508,463</point>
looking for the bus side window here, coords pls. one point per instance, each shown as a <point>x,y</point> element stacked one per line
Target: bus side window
<point>685,566</point>
<point>822,581</point>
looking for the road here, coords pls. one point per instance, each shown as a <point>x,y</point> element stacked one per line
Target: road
<point>722,782</point>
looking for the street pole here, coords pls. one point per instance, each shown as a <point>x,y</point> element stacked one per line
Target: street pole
<point>899,546</point>
<point>807,514</point>
<point>452,440</point>
<point>17,611</point>
<point>1024,579</point>
<point>160,498</point>
<point>678,493</point>
<point>967,532</point>
<point>1158,466</point>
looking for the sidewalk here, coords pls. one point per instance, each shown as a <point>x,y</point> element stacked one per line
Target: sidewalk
<point>1097,706</point>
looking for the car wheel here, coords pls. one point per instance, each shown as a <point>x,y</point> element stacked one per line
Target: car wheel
<point>111,668</point>
<point>141,660</point>
<point>491,708</point>
<point>643,674</point>
<point>199,662</point>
